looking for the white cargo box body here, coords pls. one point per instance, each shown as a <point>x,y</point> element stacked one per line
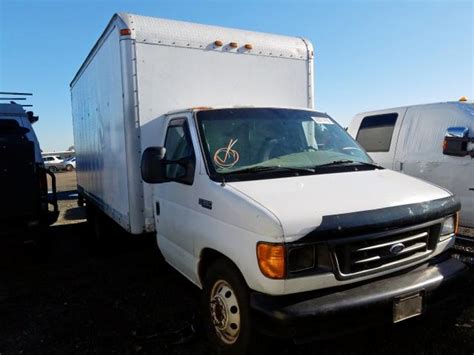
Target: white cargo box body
<point>142,68</point>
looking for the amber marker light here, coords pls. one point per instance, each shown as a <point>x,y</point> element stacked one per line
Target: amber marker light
<point>218,43</point>
<point>271,260</point>
<point>248,46</point>
<point>456,223</point>
<point>125,32</point>
<point>233,45</point>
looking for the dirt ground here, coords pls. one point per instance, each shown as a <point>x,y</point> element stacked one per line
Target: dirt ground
<point>64,296</point>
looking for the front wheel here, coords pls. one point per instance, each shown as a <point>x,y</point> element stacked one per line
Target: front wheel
<point>226,312</point>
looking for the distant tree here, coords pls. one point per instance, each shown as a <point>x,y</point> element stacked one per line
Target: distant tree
<point>71,148</point>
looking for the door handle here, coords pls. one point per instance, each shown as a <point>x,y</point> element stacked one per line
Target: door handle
<point>399,165</point>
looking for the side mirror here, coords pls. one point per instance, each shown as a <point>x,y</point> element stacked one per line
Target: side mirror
<point>156,169</point>
<point>456,141</point>
<point>153,167</point>
<point>32,118</point>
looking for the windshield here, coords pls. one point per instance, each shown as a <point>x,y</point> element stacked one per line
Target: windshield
<point>251,140</point>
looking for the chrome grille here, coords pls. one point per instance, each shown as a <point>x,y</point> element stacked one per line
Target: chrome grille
<point>367,255</point>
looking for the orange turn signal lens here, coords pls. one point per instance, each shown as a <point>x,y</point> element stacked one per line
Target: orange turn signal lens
<point>271,260</point>
<point>456,223</point>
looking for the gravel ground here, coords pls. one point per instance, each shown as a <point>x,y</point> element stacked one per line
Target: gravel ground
<point>65,297</point>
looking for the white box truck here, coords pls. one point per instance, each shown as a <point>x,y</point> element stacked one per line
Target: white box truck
<point>434,142</point>
<point>206,136</point>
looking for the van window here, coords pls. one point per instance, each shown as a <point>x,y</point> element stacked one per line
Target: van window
<point>375,132</point>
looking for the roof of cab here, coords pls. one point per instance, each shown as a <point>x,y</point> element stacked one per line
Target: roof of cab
<point>12,109</point>
<point>456,103</point>
<point>158,31</point>
<point>208,108</point>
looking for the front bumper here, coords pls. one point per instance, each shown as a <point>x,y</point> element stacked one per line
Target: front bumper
<point>320,314</point>
<point>465,241</point>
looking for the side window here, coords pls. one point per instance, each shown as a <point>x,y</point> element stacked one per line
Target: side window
<point>375,132</point>
<point>178,145</point>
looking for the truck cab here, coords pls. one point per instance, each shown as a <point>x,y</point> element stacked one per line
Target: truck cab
<point>23,178</point>
<point>286,203</point>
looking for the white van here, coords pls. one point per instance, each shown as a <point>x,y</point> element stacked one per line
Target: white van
<point>190,132</point>
<point>434,142</point>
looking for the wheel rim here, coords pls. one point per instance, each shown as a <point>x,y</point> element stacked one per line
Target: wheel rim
<point>225,312</point>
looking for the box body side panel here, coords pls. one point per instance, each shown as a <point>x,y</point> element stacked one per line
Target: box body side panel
<point>99,131</point>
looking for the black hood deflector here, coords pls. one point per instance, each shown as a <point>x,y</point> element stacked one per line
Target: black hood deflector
<point>366,222</point>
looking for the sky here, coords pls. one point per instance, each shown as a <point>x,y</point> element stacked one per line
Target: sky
<point>368,54</point>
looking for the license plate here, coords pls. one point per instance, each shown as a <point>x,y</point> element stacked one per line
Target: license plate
<point>407,307</point>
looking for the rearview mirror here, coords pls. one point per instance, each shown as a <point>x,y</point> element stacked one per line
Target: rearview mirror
<point>32,118</point>
<point>156,169</point>
<point>457,132</point>
<point>456,141</point>
<point>153,168</point>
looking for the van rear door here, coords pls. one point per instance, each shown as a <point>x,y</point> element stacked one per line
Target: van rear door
<point>378,133</point>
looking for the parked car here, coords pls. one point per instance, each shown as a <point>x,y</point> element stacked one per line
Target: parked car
<point>54,163</point>
<point>70,163</point>
<point>275,212</point>
<point>23,178</point>
<point>434,142</point>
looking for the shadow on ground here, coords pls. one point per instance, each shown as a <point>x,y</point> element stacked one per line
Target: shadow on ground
<point>64,296</point>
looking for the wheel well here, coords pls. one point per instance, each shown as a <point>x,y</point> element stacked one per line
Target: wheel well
<point>208,257</point>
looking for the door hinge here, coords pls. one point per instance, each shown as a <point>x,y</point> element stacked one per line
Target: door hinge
<point>157,208</point>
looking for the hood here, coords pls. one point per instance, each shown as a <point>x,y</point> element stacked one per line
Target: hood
<point>300,203</point>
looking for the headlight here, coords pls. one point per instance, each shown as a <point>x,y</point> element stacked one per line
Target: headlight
<point>449,227</point>
<point>301,258</point>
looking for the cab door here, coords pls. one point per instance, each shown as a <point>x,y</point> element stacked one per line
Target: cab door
<point>173,200</point>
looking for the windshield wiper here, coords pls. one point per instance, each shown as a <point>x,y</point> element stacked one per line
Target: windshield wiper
<point>348,161</point>
<point>264,169</point>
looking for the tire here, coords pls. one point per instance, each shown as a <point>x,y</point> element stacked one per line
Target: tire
<point>225,309</point>
<point>97,226</point>
<point>53,169</point>
<point>69,167</point>
<point>104,235</point>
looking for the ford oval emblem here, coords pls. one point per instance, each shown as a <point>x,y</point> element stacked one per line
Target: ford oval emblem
<point>396,249</point>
